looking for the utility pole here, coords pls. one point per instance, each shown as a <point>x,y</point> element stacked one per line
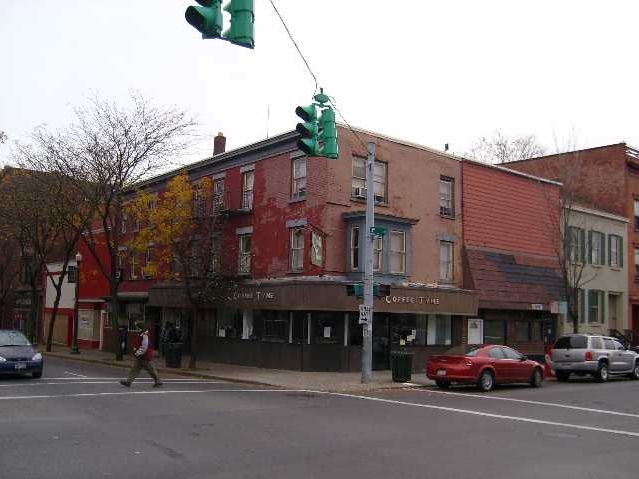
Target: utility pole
<point>367,310</point>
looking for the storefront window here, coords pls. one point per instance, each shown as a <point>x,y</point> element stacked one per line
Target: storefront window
<point>229,324</point>
<point>298,327</point>
<point>271,325</point>
<point>494,332</point>
<point>529,330</point>
<point>354,330</point>
<point>409,329</point>
<point>328,328</point>
<point>440,328</point>
<point>134,312</point>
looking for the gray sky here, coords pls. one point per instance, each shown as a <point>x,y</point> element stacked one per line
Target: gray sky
<point>430,72</point>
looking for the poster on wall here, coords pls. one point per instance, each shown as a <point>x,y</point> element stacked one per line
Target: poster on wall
<point>475,331</point>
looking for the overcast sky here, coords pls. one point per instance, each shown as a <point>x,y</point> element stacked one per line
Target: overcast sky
<point>430,72</point>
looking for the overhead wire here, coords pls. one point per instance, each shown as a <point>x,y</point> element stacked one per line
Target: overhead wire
<point>299,51</point>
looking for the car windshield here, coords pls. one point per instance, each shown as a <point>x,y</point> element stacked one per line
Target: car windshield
<point>572,342</point>
<point>13,338</point>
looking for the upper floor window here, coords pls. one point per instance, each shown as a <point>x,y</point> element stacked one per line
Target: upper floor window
<point>446,198</point>
<point>358,181</point>
<point>134,266</point>
<point>218,193</point>
<point>244,259</point>
<point>297,249</point>
<point>445,261</point>
<point>198,201</point>
<point>636,203</point>
<point>247,190</point>
<point>149,263</point>
<point>72,274</point>
<point>398,252</point>
<point>124,220</point>
<point>355,248</point>
<point>575,244</point>
<point>299,177</point>
<point>378,254</point>
<point>317,249</point>
<point>636,260</point>
<point>597,253</point>
<point>595,303</point>
<point>615,251</point>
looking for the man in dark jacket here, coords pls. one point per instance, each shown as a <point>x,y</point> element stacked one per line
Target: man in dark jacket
<point>143,355</point>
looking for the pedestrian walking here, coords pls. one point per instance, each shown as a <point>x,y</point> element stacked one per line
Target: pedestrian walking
<point>143,355</point>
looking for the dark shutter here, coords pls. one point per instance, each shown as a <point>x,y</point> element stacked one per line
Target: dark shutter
<point>589,249</point>
<point>602,259</point>
<point>611,238</point>
<point>620,251</point>
<point>582,306</point>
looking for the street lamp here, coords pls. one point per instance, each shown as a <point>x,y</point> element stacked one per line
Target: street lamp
<point>74,346</point>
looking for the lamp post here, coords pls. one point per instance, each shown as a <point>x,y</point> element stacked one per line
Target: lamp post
<point>74,346</point>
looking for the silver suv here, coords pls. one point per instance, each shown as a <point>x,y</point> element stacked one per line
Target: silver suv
<point>592,354</point>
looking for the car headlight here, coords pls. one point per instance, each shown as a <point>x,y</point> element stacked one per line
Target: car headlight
<point>2,360</point>
<point>37,357</point>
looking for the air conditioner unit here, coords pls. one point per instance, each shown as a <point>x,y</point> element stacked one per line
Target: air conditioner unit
<point>379,198</point>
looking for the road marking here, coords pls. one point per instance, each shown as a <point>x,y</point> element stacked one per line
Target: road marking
<point>118,378</point>
<point>43,383</point>
<point>537,403</point>
<point>345,395</point>
<point>74,374</point>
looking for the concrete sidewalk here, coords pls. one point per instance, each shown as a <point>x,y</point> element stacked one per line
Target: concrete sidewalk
<point>323,381</point>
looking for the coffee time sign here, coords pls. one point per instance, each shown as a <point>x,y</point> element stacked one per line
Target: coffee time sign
<point>416,299</point>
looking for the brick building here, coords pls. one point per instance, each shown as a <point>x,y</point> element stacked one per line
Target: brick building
<point>294,237</point>
<point>511,253</point>
<point>606,178</point>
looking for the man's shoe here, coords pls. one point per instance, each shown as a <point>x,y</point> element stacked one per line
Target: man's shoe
<point>125,383</point>
<point>157,384</point>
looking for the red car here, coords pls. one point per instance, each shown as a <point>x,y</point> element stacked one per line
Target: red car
<point>485,366</point>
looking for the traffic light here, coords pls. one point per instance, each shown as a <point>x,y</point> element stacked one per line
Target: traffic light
<point>206,19</point>
<point>309,142</point>
<point>356,290</point>
<point>383,290</point>
<point>328,134</point>
<point>242,19</point>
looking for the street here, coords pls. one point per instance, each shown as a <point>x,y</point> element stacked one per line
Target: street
<point>77,421</point>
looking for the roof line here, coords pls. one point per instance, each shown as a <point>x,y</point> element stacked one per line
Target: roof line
<point>514,172</point>
<point>568,152</point>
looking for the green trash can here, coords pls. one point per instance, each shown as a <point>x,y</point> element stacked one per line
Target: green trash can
<point>402,366</point>
<point>173,352</point>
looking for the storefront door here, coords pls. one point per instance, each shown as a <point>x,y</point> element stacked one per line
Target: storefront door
<point>381,341</point>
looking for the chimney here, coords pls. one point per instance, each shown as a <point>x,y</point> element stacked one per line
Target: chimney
<point>219,144</point>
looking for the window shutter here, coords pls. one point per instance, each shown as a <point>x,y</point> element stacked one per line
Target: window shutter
<point>610,239</point>
<point>589,249</point>
<point>620,251</point>
<point>602,306</point>
<point>582,306</point>
<point>582,242</point>
<point>602,259</point>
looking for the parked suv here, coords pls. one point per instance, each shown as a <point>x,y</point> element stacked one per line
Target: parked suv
<point>592,354</point>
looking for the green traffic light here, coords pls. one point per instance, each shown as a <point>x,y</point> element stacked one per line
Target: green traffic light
<point>328,134</point>
<point>308,130</point>
<point>206,19</point>
<point>242,19</point>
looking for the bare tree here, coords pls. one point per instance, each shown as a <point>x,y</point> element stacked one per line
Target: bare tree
<point>3,137</point>
<point>102,155</point>
<point>502,149</point>
<point>10,260</point>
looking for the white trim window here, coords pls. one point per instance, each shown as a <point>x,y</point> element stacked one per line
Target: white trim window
<point>615,251</point>
<point>398,252</point>
<point>299,177</point>
<point>317,249</point>
<point>123,224</point>
<point>446,192</point>
<point>247,190</point>
<point>636,208</point>
<point>379,179</point>
<point>297,249</point>
<point>358,180</point>
<point>446,261</point>
<point>244,257</point>
<point>597,248</point>
<point>218,193</point>
<point>134,265</point>
<point>378,254</point>
<point>72,274</point>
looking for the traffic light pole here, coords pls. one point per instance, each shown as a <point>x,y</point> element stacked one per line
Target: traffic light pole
<point>367,328</point>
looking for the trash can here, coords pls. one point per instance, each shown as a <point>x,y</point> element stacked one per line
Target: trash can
<point>173,353</point>
<point>121,346</point>
<point>402,366</point>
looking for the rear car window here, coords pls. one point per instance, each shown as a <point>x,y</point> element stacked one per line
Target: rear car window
<point>572,342</point>
<point>596,343</point>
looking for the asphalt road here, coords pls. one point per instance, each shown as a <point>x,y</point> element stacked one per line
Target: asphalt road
<point>78,422</point>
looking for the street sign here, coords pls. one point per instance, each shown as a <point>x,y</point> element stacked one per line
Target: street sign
<point>364,314</point>
<point>376,231</point>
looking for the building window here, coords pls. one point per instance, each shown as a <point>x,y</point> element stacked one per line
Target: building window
<point>445,261</point>
<point>72,274</point>
<point>597,253</point>
<point>636,260</point>
<point>576,245</point>
<point>317,249</point>
<point>149,265</point>
<point>299,178</point>
<point>136,225</point>
<point>244,261</point>
<point>358,182</point>
<point>121,265</point>
<point>378,254</point>
<point>528,331</point>
<point>439,330</point>
<point>615,251</point>
<point>637,214</point>
<point>218,193</point>
<point>123,227</point>
<point>297,249</point>
<point>134,266</point>
<point>398,252</point>
<point>595,309</point>
<point>214,256</point>
<point>355,248</point>
<point>328,328</point>
<point>247,190</point>
<point>198,200</point>
<point>446,200</point>
<point>494,332</point>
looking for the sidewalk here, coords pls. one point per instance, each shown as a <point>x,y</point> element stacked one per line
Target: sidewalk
<point>319,381</point>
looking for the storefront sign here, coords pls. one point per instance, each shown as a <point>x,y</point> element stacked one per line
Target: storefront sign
<point>391,299</point>
<point>254,295</point>
<point>537,307</point>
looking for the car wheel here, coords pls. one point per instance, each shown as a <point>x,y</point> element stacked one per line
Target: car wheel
<point>602,373</point>
<point>36,374</point>
<point>635,372</point>
<point>562,376</point>
<point>537,378</point>
<point>486,381</point>
<point>442,384</point>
